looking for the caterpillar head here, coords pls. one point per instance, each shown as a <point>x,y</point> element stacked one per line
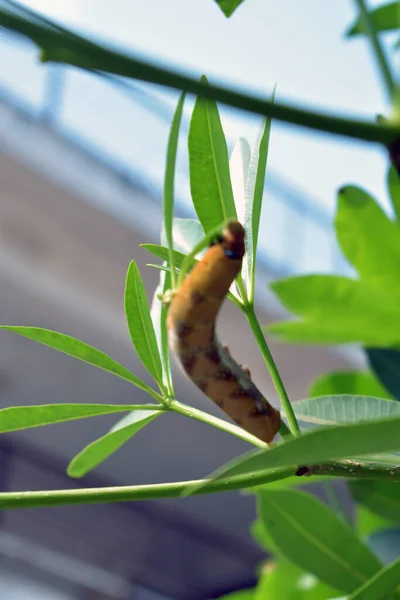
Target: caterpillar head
<point>233,240</point>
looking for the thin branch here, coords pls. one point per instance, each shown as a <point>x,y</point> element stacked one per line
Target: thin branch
<point>58,46</point>
<point>382,62</point>
<point>346,469</point>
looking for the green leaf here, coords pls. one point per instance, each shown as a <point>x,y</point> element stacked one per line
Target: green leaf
<point>169,194</point>
<point>317,446</point>
<point>261,536</point>
<point>140,324</point>
<point>309,534</point>
<point>348,382</point>
<point>254,196</point>
<point>386,365</point>
<point>162,252</point>
<point>210,182</point>
<point>81,351</point>
<point>367,522</point>
<point>158,313</point>
<point>337,310</point>
<point>384,18</point>
<point>285,580</point>
<point>228,7</point>
<point>331,410</point>
<point>394,190</point>
<point>24,417</point>
<point>381,497</point>
<point>368,238</point>
<point>380,585</point>
<point>96,452</point>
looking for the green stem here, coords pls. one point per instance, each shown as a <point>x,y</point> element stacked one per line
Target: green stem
<point>15,500</point>
<point>199,415</point>
<point>383,64</point>
<point>273,371</point>
<point>76,50</point>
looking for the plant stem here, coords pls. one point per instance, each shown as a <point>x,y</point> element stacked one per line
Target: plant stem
<point>199,415</point>
<point>15,500</point>
<point>383,64</point>
<point>273,371</point>
<point>69,48</point>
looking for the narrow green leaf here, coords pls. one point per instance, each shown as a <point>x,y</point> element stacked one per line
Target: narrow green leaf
<point>318,446</point>
<point>169,181</point>
<point>337,310</point>
<point>140,324</point>
<point>254,196</point>
<point>386,364</point>
<point>228,7</point>
<point>368,238</point>
<point>158,315</point>
<point>315,539</point>
<point>81,351</point>
<point>162,252</point>
<point>16,418</point>
<point>261,536</point>
<point>380,585</point>
<point>367,522</point>
<point>96,452</point>
<point>381,497</point>
<point>331,410</point>
<point>210,182</point>
<point>384,18</point>
<point>356,383</point>
<point>394,190</point>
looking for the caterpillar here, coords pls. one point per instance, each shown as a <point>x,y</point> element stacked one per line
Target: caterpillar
<point>191,332</point>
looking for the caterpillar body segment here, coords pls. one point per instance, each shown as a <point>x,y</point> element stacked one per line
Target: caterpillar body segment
<point>191,331</point>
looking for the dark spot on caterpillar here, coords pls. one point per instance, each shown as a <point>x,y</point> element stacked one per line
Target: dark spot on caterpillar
<point>188,362</point>
<point>183,329</point>
<point>303,471</point>
<point>238,422</point>
<point>224,375</point>
<point>219,403</point>
<point>212,354</point>
<point>232,254</point>
<point>238,392</point>
<point>198,297</point>
<point>255,412</point>
<point>264,408</point>
<point>202,385</point>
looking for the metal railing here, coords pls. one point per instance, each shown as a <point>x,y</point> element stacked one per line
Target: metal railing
<point>126,125</point>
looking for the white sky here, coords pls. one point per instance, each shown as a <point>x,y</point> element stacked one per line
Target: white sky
<point>297,45</point>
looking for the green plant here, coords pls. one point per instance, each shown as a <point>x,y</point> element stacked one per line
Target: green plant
<point>317,553</point>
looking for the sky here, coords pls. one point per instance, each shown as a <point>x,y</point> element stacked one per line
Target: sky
<point>298,46</point>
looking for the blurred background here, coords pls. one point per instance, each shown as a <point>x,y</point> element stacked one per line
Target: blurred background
<point>81,171</point>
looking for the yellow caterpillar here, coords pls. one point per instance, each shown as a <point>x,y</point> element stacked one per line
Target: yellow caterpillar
<point>191,328</point>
